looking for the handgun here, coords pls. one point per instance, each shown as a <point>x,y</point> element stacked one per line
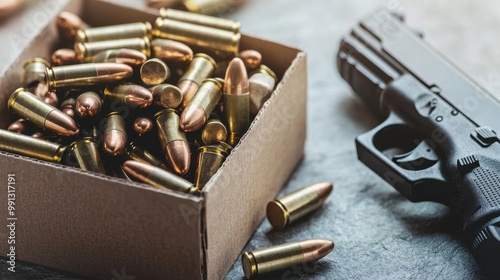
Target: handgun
<point>438,137</point>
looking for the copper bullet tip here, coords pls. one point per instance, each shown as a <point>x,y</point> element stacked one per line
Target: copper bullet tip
<point>179,156</point>
<point>192,118</point>
<point>68,24</point>
<point>188,89</point>
<point>64,57</point>
<point>316,249</point>
<point>18,126</point>
<point>171,51</point>
<point>236,80</point>
<point>323,189</point>
<point>114,71</point>
<point>138,170</point>
<point>138,96</point>
<point>61,123</point>
<point>130,57</point>
<point>143,125</point>
<point>114,142</point>
<point>251,58</point>
<point>88,104</point>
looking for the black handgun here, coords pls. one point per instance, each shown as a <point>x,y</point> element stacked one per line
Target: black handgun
<point>438,140</point>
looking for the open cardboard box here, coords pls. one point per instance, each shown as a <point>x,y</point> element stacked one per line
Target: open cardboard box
<point>93,224</point>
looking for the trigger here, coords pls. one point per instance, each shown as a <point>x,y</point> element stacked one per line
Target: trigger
<point>419,158</point>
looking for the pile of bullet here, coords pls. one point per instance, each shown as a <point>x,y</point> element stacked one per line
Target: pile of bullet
<point>163,104</point>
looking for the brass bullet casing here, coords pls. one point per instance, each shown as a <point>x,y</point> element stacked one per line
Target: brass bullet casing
<point>211,7</point>
<point>262,84</point>
<point>123,56</point>
<point>133,152</point>
<point>157,177</point>
<point>213,132</point>
<point>64,57</point>
<point>34,71</point>
<point>236,100</point>
<point>86,51</point>
<point>86,153</point>
<point>202,104</point>
<point>166,96</point>
<point>41,114</point>
<point>88,104</point>
<point>68,24</point>
<point>251,58</point>
<point>221,42</point>
<point>68,107</point>
<point>115,134</point>
<point>279,257</point>
<point>143,125</point>
<point>154,72</point>
<point>114,32</point>
<point>171,51</point>
<point>60,78</point>
<point>289,208</point>
<point>199,19</point>
<point>130,95</point>
<point>173,141</point>
<point>28,146</point>
<point>210,159</point>
<point>201,67</point>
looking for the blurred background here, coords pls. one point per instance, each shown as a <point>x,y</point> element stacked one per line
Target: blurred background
<point>378,233</point>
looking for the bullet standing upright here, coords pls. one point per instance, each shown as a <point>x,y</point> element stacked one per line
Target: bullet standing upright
<point>236,100</point>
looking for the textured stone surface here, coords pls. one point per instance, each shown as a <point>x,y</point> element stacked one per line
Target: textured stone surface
<point>378,234</point>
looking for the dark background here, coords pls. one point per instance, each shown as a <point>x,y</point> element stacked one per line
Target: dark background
<point>378,234</point>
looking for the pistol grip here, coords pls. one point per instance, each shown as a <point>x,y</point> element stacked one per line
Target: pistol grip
<point>377,148</point>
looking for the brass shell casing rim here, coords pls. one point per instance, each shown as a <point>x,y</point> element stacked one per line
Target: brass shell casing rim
<point>266,70</point>
<point>285,212</point>
<point>74,144</point>
<point>207,57</point>
<point>37,60</point>
<point>249,265</point>
<point>13,96</point>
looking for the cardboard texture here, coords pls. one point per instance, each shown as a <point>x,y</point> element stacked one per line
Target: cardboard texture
<point>94,225</point>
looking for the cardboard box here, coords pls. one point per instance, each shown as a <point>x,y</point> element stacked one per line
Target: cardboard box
<point>98,226</point>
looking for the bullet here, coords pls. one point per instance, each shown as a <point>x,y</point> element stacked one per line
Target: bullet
<point>68,107</point>
<point>86,153</point>
<point>262,83</point>
<point>18,126</point>
<point>86,51</point>
<point>115,134</point>
<point>134,152</point>
<point>173,141</point>
<point>289,208</point>
<point>114,32</point>
<point>211,7</point>
<point>64,57</point>
<point>199,19</point>
<point>41,114</point>
<point>42,93</point>
<point>154,72</point>
<point>157,177</point>
<point>220,42</point>
<point>61,78</point>
<point>210,159</point>
<point>213,132</point>
<point>143,125</point>
<point>28,146</point>
<point>202,104</point>
<point>68,24</point>
<point>88,104</point>
<point>34,71</point>
<point>251,58</point>
<point>279,257</point>
<point>130,95</point>
<point>201,67</point>
<point>123,56</point>
<point>171,51</point>
<point>166,96</point>
<point>236,100</point>
<point>38,135</point>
